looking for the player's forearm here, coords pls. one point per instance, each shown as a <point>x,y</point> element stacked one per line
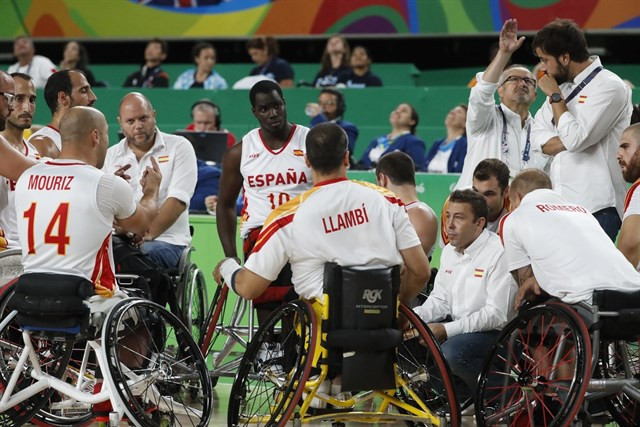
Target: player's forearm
<point>413,283</point>
<point>553,147</point>
<point>148,208</point>
<point>169,213</point>
<point>494,70</point>
<point>226,223</point>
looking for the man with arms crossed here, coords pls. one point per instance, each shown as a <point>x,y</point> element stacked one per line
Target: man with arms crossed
<point>629,160</point>
<point>268,164</point>
<point>556,246</point>
<point>473,288</point>
<point>580,125</point>
<point>501,131</point>
<point>64,89</point>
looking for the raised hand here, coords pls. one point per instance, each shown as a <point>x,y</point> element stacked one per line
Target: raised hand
<point>509,41</point>
<point>151,177</point>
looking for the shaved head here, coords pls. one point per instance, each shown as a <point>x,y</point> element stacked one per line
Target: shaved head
<point>78,122</point>
<point>137,120</point>
<point>6,86</point>
<point>134,98</point>
<point>529,180</point>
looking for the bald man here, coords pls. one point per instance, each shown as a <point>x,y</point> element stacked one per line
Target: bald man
<point>66,208</point>
<point>629,161</point>
<point>558,247</point>
<point>64,89</point>
<point>169,234</point>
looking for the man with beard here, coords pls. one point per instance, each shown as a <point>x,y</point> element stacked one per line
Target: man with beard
<point>268,164</point>
<point>64,89</point>
<point>12,163</point>
<point>581,124</point>
<point>169,233</point>
<point>501,131</point>
<point>629,160</point>
<point>20,118</point>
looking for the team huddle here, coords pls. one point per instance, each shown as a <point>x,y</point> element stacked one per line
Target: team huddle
<point>538,207</point>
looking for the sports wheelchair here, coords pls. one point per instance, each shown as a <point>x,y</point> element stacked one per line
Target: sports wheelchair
<point>352,335</point>
<point>57,339</point>
<point>546,369</point>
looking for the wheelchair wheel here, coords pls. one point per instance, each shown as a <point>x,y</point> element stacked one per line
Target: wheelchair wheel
<point>53,357</point>
<point>156,366</point>
<point>538,371</point>
<point>425,373</point>
<point>213,323</point>
<point>621,360</point>
<point>268,385</point>
<point>193,300</point>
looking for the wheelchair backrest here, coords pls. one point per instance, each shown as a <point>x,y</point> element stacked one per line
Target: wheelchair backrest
<point>626,324</point>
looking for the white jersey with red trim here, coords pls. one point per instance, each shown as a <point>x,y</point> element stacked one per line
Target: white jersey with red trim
<point>570,254</point>
<point>632,200</point>
<point>350,223</point>
<point>61,227</point>
<point>271,178</point>
<point>8,220</point>
<point>424,207</point>
<point>49,132</point>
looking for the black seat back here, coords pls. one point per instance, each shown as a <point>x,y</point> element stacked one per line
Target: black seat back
<point>52,302</point>
<point>627,304</point>
<point>362,332</point>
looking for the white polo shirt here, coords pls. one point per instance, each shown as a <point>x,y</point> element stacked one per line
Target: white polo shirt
<point>178,166</point>
<point>570,254</point>
<point>350,223</point>
<point>587,173</point>
<point>484,135</point>
<point>475,288</point>
<point>40,68</point>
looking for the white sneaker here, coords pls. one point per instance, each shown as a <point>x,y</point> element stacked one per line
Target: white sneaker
<point>324,388</point>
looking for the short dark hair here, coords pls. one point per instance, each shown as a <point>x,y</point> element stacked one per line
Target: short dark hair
<point>199,47</point>
<point>475,200</point>
<point>164,46</point>
<point>22,76</point>
<point>60,81</point>
<point>398,167</point>
<point>341,105</point>
<point>326,144</point>
<point>414,117</point>
<point>264,86</point>
<point>267,43</point>
<point>559,37</point>
<point>492,167</point>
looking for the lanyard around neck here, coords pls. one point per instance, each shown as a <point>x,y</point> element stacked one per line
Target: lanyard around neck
<point>505,147</point>
<point>578,88</point>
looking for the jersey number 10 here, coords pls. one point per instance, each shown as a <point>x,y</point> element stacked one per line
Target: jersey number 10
<point>282,198</point>
<point>58,221</point>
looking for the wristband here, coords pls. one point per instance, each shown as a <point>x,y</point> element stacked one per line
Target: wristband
<point>228,270</point>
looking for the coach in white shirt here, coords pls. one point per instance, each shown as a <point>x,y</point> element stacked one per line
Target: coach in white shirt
<point>473,288</point>
<point>501,131</point>
<point>169,233</point>
<point>580,125</point>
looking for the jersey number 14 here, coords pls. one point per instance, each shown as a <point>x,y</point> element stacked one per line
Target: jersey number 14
<point>58,222</point>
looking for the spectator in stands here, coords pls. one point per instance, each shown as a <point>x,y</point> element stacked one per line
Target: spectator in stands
<point>207,117</point>
<point>396,172</point>
<point>629,160</point>
<point>404,120</point>
<point>205,194</point>
<point>36,66</point>
<point>580,126</point>
<point>168,234</point>
<point>360,74</point>
<point>75,57</point>
<point>264,53</point>
<point>447,155</point>
<point>474,289</point>
<point>64,89</point>
<point>501,131</point>
<point>331,107</point>
<point>334,62</point>
<point>150,74</point>
<point>203,76</point>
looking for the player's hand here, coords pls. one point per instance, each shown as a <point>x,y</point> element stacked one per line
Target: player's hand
<point>151,177</point>
<point>217,276</point>
<point>211,202</point>
<point>509,41</point>
<point>548,85</point>
<point>121,172</point>
<point>438,331</point>
<point>528,291</point>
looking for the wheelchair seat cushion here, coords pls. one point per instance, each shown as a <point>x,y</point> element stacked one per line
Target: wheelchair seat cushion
<point>627,304</point>
<point>45,300</point>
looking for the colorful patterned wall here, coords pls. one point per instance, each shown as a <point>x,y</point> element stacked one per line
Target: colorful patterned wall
<point>215,18</point>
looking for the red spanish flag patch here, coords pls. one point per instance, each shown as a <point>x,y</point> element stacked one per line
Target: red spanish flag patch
<point>479,272</point>
<point>298,153</point>
<point>163,159</point>
<point>582,99</point>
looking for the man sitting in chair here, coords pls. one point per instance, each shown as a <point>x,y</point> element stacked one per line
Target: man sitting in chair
<point>473,289</point>
<point>558,247</point>
<point>337,220</point>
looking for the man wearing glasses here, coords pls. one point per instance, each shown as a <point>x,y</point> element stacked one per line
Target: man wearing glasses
<point>501,131</point>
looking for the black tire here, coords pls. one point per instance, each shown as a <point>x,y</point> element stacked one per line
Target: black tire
<point>193,300</point>
<point>213,325</point>
<point>623,408</point>
<point>263,391</point>
<point>164,349</point>
<point>425,373</point>
<point>54,357</point>
<point>518,383</point>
